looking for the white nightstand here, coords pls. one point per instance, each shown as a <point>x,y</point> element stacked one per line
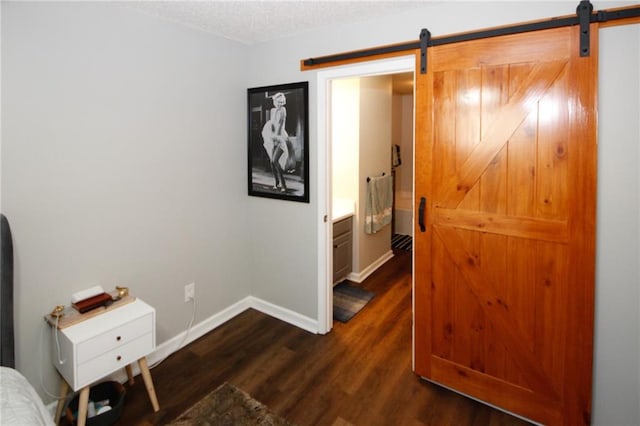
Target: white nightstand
<point>96,347</point>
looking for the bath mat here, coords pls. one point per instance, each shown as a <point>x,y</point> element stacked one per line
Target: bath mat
<point>229,406</point>
<point>348,300</point>
<point>402,242</point>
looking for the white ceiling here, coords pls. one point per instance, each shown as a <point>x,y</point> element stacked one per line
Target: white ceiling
<point>252,22</point>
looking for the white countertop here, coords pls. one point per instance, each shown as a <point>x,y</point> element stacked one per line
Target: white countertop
<point>342,209</point>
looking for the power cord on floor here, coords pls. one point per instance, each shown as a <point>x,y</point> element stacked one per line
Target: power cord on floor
<point>184,338</point>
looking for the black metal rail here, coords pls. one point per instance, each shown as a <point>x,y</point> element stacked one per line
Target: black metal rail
<point>584,16</point>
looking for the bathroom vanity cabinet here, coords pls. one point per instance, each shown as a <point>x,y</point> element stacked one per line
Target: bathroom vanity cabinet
<point>342,248</point>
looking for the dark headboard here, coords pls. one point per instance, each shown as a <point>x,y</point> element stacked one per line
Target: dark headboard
<point>7,355</point>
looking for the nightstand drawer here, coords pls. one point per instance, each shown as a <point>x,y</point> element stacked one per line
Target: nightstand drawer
<point>114,359</point>
<point>114,338</point>
<point>85,344</point>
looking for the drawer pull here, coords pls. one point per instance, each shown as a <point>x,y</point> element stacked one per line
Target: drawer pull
<point>118,358</point>
<point>119,338</point>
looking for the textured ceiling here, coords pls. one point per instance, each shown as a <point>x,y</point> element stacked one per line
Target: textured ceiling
<point>253,22</point>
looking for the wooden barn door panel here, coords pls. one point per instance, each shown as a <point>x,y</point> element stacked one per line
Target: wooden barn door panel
<point>505,158</point>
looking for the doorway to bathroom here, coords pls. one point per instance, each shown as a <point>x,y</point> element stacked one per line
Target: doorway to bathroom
<point>365,128</point>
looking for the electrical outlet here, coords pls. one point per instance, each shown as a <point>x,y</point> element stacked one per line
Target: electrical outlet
<point>189,292</point>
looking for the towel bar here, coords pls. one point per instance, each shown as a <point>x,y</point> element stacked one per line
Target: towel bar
<point>369,178</point>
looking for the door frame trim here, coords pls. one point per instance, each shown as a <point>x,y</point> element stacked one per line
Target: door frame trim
<point>394,65</point>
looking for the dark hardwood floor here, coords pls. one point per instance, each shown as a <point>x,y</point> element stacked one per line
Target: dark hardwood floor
<point>358,374</point>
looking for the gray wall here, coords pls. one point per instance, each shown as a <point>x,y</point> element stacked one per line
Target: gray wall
<point>619,322</point>
<point>123,162</point>
<point>279,62</point>
<point>617,355</point>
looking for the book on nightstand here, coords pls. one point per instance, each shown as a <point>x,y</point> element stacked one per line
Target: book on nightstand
<point>92,302</point>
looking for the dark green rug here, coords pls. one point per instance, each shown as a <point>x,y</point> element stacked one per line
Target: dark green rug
<point>229,406</point>
<point>348,300</point>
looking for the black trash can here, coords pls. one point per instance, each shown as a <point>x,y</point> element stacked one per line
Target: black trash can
<point>110,391</point>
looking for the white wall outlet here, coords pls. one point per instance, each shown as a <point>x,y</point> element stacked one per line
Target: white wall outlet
<point>189,292</point>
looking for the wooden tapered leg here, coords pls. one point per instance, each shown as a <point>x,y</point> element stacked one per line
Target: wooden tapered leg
<point>130,374</point>
<point>148,382</point>
<point>82,406</point>
<point>64,388</point>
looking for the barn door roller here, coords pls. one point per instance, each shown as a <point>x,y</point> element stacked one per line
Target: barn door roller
<point>584,18</point>
<point>425,37</point>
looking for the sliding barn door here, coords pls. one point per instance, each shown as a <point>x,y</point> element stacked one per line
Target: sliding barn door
<point>504,268</point>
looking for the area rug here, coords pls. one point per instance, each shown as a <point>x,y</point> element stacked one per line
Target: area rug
<point>402,242</point>
<point>229,406</point>
<point>348,300</point>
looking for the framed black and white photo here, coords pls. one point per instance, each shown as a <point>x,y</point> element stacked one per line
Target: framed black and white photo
<point>279,141</point>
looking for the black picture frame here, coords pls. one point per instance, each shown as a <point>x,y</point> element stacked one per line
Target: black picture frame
<point>273,134</point>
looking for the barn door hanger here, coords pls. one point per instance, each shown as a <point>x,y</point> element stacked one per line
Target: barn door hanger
<point>425,38</point>
<point>584,10</point>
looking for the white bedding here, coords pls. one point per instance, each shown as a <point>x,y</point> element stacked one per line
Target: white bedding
<point>19,402</point>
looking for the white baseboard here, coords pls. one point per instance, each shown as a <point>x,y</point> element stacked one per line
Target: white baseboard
<point>216,320</point>
<point>283,314</point>
<point>362,275</point>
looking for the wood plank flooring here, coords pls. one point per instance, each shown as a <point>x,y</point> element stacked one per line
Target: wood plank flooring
<point>359,374</point>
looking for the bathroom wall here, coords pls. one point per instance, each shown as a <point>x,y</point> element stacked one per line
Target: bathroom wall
<point>345,140</point>
<point>345,136</point>
<point>402,135</point>
<point>361,147</point>
<point>375,159</point>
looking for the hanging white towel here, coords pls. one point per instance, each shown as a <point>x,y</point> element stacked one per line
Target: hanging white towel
<point>379,203</point>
